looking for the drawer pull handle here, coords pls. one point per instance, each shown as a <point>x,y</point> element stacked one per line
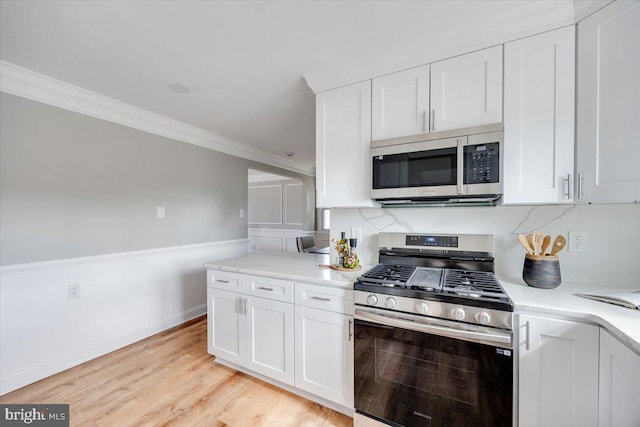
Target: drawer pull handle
<point>350,330</point>
<point>321,298</point>
<point>265,288</point>
<point>222,281</point>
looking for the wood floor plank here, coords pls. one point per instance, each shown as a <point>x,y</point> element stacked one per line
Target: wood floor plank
<point>169,379</point>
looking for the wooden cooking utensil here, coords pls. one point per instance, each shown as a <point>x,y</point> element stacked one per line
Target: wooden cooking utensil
<point>558,245</point>
<point>537,239</point>
<point>530,242</point>
<point>525,243</point>
<point>545,244</point>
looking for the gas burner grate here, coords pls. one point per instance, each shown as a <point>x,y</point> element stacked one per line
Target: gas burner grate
<point>390,273</point>
<point>476,284</point>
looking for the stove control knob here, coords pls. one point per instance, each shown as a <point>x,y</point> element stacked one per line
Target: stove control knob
<point>372,299</point>
<point>422,307</point>
<point>390,302</point>
<point>483,318</point>
<point>458,313</point>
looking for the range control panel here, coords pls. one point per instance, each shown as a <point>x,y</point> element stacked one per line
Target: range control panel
<point>426,240</point>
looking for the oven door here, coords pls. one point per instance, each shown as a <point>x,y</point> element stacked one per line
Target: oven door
<point>419,371</point>
<point>420,169</point>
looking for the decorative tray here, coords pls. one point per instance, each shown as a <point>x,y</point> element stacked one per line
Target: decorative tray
<point>338,268</point>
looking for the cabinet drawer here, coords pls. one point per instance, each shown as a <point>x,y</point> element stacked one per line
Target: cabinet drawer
<point>267,287</point>
<point>325,298</point>
<point>227,281</point>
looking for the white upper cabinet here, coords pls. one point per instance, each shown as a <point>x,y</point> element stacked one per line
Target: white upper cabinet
<point>343,135</point>
<point>608,144</point>
<point>539,103</point>
<point>400,104</point>
<point>467,90</point>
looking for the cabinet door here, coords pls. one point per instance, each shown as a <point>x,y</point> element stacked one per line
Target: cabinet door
<point>619,379</point>
<point>558,373</point>
<point>400,104</point>
<point>225,326</point>
<point>609,104</point>
<point>467,90</point>
<point>539,118</point>
<point>270,338</point>
<point>343,135</point>
<point>324,354</point>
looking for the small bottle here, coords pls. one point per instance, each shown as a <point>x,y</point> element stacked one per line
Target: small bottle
<point>352,260</point>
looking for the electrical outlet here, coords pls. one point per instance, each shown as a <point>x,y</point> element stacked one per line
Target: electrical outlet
<point>241,213</point>
<point>160,212</point>
<point>73,290</point>
<point>578,241</point>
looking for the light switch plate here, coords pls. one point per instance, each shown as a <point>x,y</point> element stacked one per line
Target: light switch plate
<point>160,213</point>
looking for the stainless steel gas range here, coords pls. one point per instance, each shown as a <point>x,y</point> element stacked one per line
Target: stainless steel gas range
<point>433,335</point>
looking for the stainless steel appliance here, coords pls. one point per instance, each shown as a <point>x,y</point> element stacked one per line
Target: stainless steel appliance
<point>461,166</point>
<point>433,335</point>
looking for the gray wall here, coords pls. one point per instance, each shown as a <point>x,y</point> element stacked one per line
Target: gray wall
<point>72,185</point>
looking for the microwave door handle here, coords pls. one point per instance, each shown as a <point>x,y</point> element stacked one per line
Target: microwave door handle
<point>460,167</point>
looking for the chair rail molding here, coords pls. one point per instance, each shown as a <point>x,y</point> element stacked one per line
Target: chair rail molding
<point>19,81</point>
<point>124,297</point>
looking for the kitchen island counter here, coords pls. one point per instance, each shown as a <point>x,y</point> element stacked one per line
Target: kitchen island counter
<point>295,266</point>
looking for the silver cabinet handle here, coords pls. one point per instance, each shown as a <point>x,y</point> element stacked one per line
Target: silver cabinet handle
<point>527,337</point>
<point>244,306</point>
<point>580,193</point>
<point>424,120</point>
<point>222,281</point>
<point>350,329</point>
<point>265,288</point>
<point>239,305</point>
<point>568,192</point>
<point>321,298</point>
<point>433,119</point>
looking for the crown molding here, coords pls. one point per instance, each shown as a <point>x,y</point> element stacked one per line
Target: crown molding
<point>584,8</point>
<point>19,81</point>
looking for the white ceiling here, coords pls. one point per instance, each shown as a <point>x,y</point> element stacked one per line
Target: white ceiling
<point>243,60</point>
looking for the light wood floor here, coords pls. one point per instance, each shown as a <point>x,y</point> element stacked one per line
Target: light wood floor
<point>170,379</point>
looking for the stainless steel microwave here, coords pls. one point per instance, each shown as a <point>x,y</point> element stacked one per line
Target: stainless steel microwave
<point>456,166</point>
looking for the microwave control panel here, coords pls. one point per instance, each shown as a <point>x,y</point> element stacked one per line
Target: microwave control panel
<point>482,163</point>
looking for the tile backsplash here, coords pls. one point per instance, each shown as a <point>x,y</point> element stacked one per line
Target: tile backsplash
<point>612,258</point>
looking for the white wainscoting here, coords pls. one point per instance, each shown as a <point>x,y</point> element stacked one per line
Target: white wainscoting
<point>275,239</point>
<point>124,298</point>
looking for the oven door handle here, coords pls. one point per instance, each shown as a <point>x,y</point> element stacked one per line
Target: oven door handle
<point>431,326</point>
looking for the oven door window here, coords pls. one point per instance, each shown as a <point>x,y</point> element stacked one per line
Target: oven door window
<point>418,169</point>
<point>415,379</point>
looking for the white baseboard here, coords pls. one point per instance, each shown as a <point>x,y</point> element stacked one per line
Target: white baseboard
<point>124,298</point>
<point>53,367</point>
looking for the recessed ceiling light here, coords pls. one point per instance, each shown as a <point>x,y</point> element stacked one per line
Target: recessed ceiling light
<point>178,88</point>
<point>288,153</point>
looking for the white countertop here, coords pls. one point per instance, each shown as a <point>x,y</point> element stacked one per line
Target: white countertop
<point>623,323</point>
<point>291,266</point>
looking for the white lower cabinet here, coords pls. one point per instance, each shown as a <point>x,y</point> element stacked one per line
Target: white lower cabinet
<point>270,338</point>
<point>619,381</point>
<point>324,354</point>
<point>558,373</point>
<point>225,325</point>
<point>252,332</point>
<point>253,323</point>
